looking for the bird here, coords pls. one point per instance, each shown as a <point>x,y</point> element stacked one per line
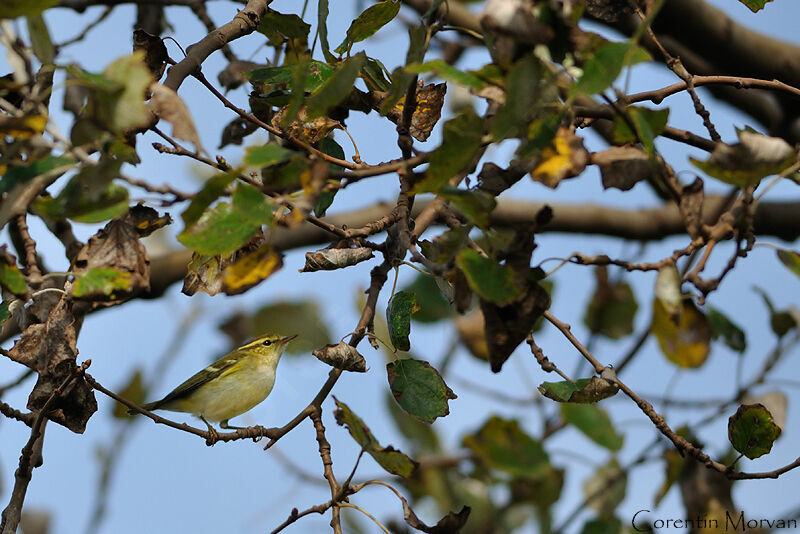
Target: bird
<point>230,386</point>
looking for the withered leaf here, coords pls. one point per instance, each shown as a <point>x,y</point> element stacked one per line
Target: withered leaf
<point>116,247</point>
<point>301,127</point>
<point>235,132</point>
<point>50,349</point>
<point>155,52</point>
<point>330,259</point>
<point>623,167</point>
<point>507,326</point>
<point>235,73</point>
<point>342,356</point>
<point>250,269</point>
<point>452,523</point>
<point>167,105</point>
<point>146,220</point>
<point>608,10</point>
<point>430,99</point>
<point>564,158</point>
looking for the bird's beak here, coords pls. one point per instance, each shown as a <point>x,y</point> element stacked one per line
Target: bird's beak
<point>287,339</point>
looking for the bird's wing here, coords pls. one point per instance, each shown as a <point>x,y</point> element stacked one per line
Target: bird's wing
<point>220,367</point>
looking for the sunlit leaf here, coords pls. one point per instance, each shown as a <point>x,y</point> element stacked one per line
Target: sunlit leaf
<point>390,459</point>
<point>684,339</point>
<point>265,155</point>
<point>211,191</point>
<point>419,389</point>
<point>250,269</point>
<point>101,284</point>
<point>752,431</point>
<point>336,88</point>
<point>11,277</point>
<point>316,75</point>
<point>342,356</point>
<point>600,71</point>
<point>565,157</point>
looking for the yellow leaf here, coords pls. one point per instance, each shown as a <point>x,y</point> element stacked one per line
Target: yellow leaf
<point>23,127</point>
<point>251,269</point>
<point>564,158</point>
<point>685,338</point>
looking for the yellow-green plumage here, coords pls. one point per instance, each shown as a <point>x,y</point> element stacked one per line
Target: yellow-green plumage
<point>231,385</point>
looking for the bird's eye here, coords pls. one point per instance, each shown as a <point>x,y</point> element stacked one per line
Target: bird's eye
<point>267,342</point>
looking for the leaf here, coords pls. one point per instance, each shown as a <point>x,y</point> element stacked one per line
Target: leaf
<point>611,525</point>
<point>755,5</point>
<point>447,72</point>
<point>11,277</point>
<point>790,259</point>
<point>565,157</point>
<point>226,227</point>
<point>251,269</point>
<point>444,247</point>
<point>461,139</point>
<point>428,111</point>
<point>600,70</point>
<point>526,93</point>
<point>279,26</point>
<point>733,336</point>
<point>745,163</point>
<point>316,75</point>
<point>452,523</point>
<point>5,311</point>
<point>155,52</point>
<point>398,316</point>
<point>10,9</point>
<point>270,154</point>
<point>322,30</point>
<point>388,458</point>
<point>133,391</point>
<point>473,204</point>
<point>594,422</point>
<point>648,124</point>
<point>782,322</point>
<point>612,309</point>
<point>330,259</point>
<point>167,105</point>
<point>674,465</point>
<point>419,389</point>
<point>336,88</point>
<point>432,305</point>
<point>40,39</point>
<point>684,339</point>
<point>582,391</point>
<point>421,436</point>
<point>342,356</point>
<point>752,431</point>
<point>368,22</point>
<point>774,401</point>
<point>668,289</point>
<point>494,282</point>
<point>125,109</point>
<point>501,444</point>
<point>22,174</point>
<point>101,284</point>
<point>623,167</point>
<point>211,191</point>
<point>605,490</point>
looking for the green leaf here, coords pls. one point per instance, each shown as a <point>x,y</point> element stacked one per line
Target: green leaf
<point>336,88</point>
<point>10,9</point>
<point>40,39</point>
<point>582,391</point>
<point>398,316</point>
<point>124,109</point>
<point>790,259</point>
<point>432,305</point>
<point>226,227</point>
<point>447,72</point>
<point>612,309</point>
<point>733,336</point>
<point>11,277</point>
<point>5,314</point>
<point>752,431</point>
<point>133,391</point>
<point>322,30</point>
<point>316,75</point>
<point>390,459</point>
<point>211,191</point>
<point>270,154</point>
<point>277,26</point>
<point>473,204</point>
<point>419,389</point>
<point>755,5</point>
<point>422,436</point>
<point>648,124</point>
<point>501,444</point>
<point>525,95</point>
<point>444,247</point>
<point>594,422</point>
<point>461,139</point>
<point>745,163</point>
<point>21,174</point>
<point>367,23</point>
<point>602,526</point>
<point>488,279</point>
<point>98,283</point>
<point>374,75</point>
<point>782,322</point>
<point>600,71</point>
<point>325,198</point>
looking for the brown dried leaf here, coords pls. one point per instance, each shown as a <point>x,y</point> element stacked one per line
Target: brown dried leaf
<point>691,207</point>
<point>623,167</point>
<point>310,131</point>
<point>342,356</point>
<point>155,52</point>
<point>167,105</point>
<point>116,247</point>
<point>430,99</point>
<point>330,259</point>
<point>235,73</point>
<point>250,269</point>
<point>50,349</point>
<point>235,132</point>
<point>452,523</point>
<point>608,10</point>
